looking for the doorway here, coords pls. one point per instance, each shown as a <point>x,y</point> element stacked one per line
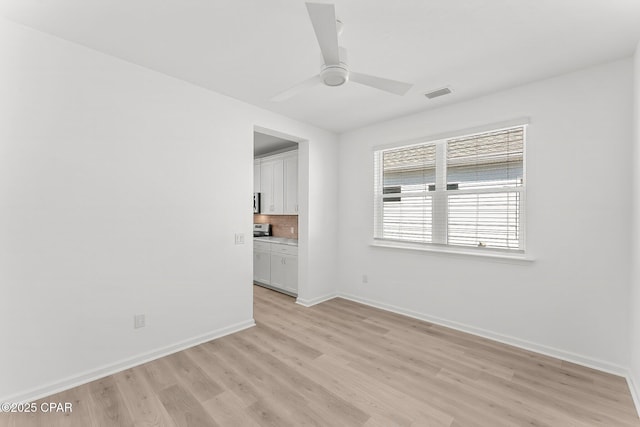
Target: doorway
<point>280,175</point>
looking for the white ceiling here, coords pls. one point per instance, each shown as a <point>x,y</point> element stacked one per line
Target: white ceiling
<point>254,49</point>
<point>263,144</point>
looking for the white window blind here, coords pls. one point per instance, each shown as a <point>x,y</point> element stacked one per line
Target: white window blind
<point>406,203</point>
<point>488,160</point>
<point>467,191</point>
<point>487,173</point>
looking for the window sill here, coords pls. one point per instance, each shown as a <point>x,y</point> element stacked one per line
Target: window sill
<point>447,250</point>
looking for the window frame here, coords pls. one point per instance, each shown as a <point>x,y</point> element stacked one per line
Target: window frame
<point>441,218</point>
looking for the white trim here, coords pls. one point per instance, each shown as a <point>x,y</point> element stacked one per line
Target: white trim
<point>568,356</point>
<point>634,388</point>
<point>277,134</point>
<point>313,301</point>
<point>452,250</point>
<point>523,194</point>
<point>106,370</point>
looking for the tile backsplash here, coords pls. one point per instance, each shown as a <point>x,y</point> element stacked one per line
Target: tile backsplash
<point>281,225</point>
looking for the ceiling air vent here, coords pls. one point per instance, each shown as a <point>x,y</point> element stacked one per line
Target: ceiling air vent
<point>437,93</point>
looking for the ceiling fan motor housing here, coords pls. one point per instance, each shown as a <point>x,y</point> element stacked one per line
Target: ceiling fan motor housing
<point>336,74</point>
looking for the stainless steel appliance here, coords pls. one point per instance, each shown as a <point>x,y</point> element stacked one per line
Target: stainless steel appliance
<point>260,230</point>
<point>256,202</point>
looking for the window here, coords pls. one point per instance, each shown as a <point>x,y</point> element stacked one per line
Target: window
<point>466,191</point>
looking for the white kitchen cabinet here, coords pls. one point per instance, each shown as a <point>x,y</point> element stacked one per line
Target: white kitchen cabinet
<point>279,184</point>
<point>291,273</point>
<point>284,267</point>
<point>277,271</point>
<point>271,186</point>
<point>276,266</point>
<point>290,164</point>
<point>256,176</point>
<point>261,262</point>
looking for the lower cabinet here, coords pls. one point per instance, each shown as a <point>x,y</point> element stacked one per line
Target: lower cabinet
<point>284,272</point>
<point>261,265</point>
<point>276,265</point>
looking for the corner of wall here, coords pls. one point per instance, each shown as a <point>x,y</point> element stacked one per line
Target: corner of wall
<point>633,377</point>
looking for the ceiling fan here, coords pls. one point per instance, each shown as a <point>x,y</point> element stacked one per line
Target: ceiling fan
<point>335,70</point>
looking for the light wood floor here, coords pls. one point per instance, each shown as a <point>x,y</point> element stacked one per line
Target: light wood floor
<point>344,364</point>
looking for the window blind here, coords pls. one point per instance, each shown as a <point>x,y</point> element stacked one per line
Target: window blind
<point>492,162</point>
<point>484,220</point>
<point>406,206</point>
<point>465,191</point>
<point>487,160</point>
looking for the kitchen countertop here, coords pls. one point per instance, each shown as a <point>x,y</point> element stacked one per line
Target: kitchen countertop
<point>281,240</point>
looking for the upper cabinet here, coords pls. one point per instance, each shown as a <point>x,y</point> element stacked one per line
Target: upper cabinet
<point>272,185</point>
<point>279,184</point>
<point>290,164</point>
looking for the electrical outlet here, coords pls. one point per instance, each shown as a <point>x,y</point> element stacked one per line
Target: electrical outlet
<point>139,321</point>
<point>292,230</point>
<point>239,238</point>
<point>365,278</point>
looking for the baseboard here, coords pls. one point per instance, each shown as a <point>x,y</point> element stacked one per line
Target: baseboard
<point>314,301</point>
<point>634,387</point>
<point>505,339</point>
<point>106,370</point>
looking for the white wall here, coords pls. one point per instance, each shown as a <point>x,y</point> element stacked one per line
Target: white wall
<point>572,300</point>
<point>323,218</point>
<point>634,306</point>
<point>120,193</point>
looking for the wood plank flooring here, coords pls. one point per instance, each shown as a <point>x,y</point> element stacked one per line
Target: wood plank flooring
<point>344,364</point>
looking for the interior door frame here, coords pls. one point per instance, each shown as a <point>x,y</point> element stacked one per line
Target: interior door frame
<point>303,206</point>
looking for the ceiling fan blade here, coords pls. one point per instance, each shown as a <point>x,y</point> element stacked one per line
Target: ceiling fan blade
<point>297,88</point>
<point>387,85</point>
<point>323,18</point>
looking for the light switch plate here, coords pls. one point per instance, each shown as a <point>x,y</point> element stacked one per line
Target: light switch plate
<point>139,321</point>
<point>239,238</point>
